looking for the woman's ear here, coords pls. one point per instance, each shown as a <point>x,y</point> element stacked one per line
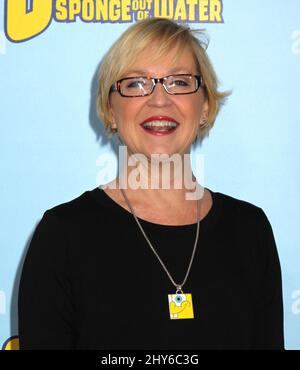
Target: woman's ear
<point>204,114</point>
<point>111,117</point>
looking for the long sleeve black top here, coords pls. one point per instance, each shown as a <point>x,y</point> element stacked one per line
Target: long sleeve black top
<point>91,281</point>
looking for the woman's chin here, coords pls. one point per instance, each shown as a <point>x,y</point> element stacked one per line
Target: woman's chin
<point>161,152</point>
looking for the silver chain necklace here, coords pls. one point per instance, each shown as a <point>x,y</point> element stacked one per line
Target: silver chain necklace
<point>180,304</point>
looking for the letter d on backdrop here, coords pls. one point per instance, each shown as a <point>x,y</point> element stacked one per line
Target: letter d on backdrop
<point>22,23</point>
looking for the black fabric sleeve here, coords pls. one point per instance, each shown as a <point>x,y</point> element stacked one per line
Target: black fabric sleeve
<point>269,305</point>
<point>46,312</point>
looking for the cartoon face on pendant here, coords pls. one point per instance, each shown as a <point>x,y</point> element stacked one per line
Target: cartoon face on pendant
<point>180,306</point>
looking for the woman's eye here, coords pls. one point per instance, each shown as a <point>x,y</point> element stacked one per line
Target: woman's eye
<point>181,83</point>
<point>135,84</point>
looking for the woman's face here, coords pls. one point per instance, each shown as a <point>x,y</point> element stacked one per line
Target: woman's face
<point>128,114</point>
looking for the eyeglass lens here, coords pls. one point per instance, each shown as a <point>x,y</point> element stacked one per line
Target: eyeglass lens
<point>177,84</point>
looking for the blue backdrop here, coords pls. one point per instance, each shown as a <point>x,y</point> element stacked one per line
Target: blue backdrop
<point>53,147</point>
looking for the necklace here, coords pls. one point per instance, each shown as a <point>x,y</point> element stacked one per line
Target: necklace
<point>180,304</point>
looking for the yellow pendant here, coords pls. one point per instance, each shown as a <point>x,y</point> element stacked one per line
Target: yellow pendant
<point>181,306</point>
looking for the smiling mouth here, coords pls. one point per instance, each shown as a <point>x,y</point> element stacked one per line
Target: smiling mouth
<point>160,125</point>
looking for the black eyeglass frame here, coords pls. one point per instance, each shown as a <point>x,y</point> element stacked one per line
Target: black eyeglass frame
<point>116,86</point>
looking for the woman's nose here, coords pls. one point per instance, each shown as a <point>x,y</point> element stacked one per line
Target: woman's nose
<point>159,96</point>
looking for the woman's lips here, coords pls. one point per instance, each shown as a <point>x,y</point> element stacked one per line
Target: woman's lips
<point>160,125</point>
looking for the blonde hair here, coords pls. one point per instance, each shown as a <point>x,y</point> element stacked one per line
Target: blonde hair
<point>165,34</point>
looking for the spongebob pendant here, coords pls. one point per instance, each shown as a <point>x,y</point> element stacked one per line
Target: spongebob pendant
<point>180,305</point>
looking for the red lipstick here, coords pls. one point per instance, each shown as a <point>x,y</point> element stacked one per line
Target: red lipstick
<point>152,125</point>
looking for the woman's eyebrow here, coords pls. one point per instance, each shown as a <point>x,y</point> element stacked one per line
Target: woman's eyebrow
<point>179,70</point>
<point>136,72</point>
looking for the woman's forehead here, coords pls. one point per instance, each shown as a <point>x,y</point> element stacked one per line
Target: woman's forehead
<point>170,63</point>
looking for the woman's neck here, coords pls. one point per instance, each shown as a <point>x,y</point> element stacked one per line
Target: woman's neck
<point>162,179</point>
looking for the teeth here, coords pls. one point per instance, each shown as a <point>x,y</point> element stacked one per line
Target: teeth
<point>160,124</point>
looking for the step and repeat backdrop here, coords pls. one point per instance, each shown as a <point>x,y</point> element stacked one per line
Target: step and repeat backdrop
<point>53,146</point>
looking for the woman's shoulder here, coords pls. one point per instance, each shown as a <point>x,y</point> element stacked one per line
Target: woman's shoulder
<point>250,224</point>
<point>79,205</point>
<point>238,207</point>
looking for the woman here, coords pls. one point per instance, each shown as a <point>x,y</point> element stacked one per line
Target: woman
<point>144,262</point>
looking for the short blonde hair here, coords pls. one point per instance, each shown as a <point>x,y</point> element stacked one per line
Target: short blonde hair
<point>165,34</point>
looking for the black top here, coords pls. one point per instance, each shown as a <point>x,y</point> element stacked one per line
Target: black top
<point>91,281</point>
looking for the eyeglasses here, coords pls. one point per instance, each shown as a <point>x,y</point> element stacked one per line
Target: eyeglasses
<point>142,86</point>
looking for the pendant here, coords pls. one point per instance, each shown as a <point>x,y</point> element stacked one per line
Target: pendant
<point>180,305</point>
